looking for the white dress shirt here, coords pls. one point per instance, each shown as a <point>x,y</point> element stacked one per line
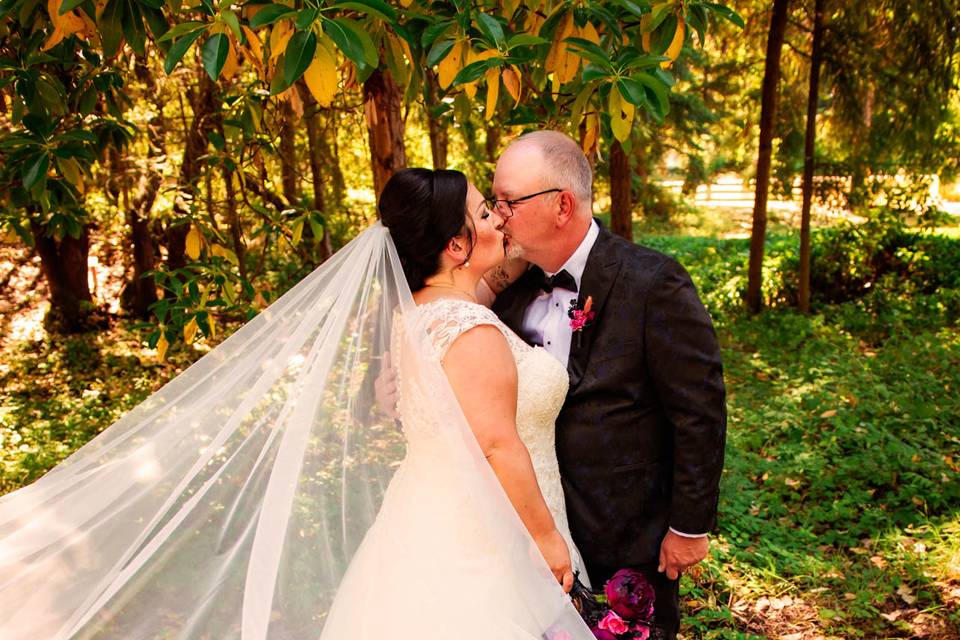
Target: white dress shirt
<point>545,321</point>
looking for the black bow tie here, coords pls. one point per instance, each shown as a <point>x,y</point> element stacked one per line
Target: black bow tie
<point>559,280</point>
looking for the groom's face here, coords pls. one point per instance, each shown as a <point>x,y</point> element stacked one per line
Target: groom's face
<point>529,225</point>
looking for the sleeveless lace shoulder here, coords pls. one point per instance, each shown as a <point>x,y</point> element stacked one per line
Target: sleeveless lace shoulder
<point>446,319</point>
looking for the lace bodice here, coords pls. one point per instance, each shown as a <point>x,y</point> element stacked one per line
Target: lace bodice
<point>542,383</point>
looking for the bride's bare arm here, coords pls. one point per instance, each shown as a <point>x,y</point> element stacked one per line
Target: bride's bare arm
<point>499,278</point>
<point>483,375</point>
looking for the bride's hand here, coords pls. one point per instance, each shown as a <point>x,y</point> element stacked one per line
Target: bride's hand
<point>554,550</point>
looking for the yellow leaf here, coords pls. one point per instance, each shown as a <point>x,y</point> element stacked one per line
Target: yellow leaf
<point>511,81</point>
<point>510,7</point>
<point>564,29</point>
<point>204,295</point>
<point>260,301</point>
<point>450,66</point>
<point>590,131</point>
<point>231,63</point>
<point>162,345</point>
<point>673,51</point>
<point>321,77</point>
<point>621,115</point>
<point>228,293</point>
<point>533,22</point>
<point>829,413</point>
<point>297,232</point>
<point>193,243</point>
<point>589,32</point>
<point>212,326</point>
<point>64,25</point>
<point>493,92</point>
<point>190,330</point>
<point>279,36</point>
<point>254,48</point>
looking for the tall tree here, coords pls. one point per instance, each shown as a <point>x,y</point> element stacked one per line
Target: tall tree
<point>621,202</point>
<point>768,112</point>
<point>382,100</point>
<point>809,159</point>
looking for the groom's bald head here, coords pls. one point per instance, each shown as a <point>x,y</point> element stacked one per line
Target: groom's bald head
<point>549,181</point>
<point>564,164</point>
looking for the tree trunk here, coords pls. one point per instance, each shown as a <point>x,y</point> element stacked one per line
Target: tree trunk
<point>439,139</point>
<point>621,207</point>
<point>388,154</point>
<point>141,291</point>
<point>813,98</point>
<point>233,218</point>
<point>316,146</point>
<point>204,106</point>
<point>64,265</point>
<point>288,153</point>
<point>768,111</point>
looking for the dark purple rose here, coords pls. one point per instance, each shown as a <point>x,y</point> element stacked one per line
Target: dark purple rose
<point>603,634</point>
<point>630,595</point>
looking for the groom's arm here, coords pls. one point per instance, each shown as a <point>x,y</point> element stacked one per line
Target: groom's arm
<point>685,366</point>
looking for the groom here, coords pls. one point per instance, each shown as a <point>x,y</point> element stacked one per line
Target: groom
<point>641,435</point>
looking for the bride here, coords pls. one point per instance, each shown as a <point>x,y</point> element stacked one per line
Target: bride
<point>262,493</point>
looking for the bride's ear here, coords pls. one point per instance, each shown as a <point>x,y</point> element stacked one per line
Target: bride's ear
<point>457,249</point>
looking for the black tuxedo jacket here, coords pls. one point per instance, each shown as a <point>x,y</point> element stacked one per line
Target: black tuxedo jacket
<point>641,435</point>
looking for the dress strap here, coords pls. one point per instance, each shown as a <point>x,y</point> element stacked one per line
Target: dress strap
<point>447,319</point>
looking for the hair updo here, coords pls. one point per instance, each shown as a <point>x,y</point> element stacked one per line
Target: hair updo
<point>424,209</point>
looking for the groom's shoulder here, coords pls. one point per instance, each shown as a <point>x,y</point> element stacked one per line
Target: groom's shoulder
<point>637,255</point>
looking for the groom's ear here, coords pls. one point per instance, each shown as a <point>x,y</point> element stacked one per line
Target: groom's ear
<point>568,205</point>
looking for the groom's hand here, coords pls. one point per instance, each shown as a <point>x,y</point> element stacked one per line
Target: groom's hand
<point>679,553</point>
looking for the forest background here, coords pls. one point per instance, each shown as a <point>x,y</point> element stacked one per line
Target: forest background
<point>170,167</point>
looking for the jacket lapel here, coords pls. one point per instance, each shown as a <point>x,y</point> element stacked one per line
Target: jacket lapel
<point>598,277</point>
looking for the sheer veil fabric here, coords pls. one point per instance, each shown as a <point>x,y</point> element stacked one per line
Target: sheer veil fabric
<point>230,503</point>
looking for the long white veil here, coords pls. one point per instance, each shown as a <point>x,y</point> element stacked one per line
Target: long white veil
<point>229,504</point>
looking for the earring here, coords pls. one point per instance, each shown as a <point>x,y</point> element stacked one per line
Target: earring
<point>466,264</point>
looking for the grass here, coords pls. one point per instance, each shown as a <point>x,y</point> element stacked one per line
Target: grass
<point>840,506</point>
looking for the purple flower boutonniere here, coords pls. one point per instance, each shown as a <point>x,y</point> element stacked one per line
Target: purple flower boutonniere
<point>581,317</point>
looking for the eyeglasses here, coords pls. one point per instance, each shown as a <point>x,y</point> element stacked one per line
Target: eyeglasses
<point>505,207</point>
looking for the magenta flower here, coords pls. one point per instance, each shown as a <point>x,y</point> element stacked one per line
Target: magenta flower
<point>640,632</point>
<point>602,634</point>
<point>630,595</point>
<point>614,623</point>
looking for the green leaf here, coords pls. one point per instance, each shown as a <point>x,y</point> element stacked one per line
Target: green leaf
<point>439,51</point>
<point>278,83</point>
<point>589,51</point>
<point>316,225</point>
<point>214,54</point>
<point>490,28</point>
<point>656,89</point>
<point>525,40</point>
<point>726,13</point>
<point>637,9</point>
<point>181,29</point>
<point>475,70</point>
<point>632,90</point>
<point>432,33</point>
<point>111,26</point>
<point>87,101</point>
<point>69,5</point>
<point>659,15</point>
<point>373,8</point>
<point>299,55</point>
<point>354,42</point>
<point>269,14</point>
<point>305,18</point>
<point>178,49</point>
<point>133,30</point>
<point>36,171</point>
<point>594,72</point>
<point>230,18</point>
<point>697,19</point>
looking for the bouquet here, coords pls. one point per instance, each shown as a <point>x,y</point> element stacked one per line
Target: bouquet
<point>622,611</point>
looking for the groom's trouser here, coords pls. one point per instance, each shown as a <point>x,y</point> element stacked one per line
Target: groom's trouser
<point>667,605</point>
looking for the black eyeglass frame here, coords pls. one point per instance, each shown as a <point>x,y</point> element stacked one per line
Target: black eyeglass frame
<point>493,203</point>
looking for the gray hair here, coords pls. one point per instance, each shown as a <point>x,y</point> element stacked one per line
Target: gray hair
<point>566,165</point>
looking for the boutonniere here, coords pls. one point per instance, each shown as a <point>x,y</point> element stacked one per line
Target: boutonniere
<point>581,317</point>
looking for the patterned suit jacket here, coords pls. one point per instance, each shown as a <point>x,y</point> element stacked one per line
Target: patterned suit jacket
<point>640,439</point>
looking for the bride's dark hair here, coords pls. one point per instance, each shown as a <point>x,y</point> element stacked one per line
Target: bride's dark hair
<point>424,209</point>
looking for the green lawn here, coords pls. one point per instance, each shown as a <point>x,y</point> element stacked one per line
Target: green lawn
<point>840,502</point>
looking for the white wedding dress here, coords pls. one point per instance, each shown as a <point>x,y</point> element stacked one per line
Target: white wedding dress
<point>427,568</point>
